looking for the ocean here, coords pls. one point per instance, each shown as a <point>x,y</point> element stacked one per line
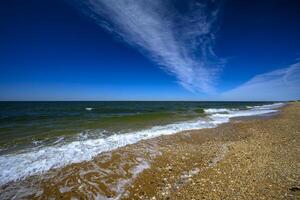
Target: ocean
<point>38,136</point>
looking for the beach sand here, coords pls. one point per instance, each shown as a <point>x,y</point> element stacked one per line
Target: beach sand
<point>253,159</point>
<point>256,158</point>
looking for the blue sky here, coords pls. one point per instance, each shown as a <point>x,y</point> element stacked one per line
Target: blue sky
<point>149,50</point>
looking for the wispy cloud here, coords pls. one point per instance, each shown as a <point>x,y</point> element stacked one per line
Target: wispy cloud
<point>281,84</point>
<point>179,40</point>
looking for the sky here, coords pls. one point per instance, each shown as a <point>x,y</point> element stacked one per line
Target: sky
<point>150,50</point>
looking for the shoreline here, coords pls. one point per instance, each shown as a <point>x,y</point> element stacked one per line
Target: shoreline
<point>61,153</point>
<point>249,159</point>
<point>254,117</point>
<point>161,168</point>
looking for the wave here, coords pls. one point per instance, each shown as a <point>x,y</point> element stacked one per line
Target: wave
<point>216,110</point>
<point>224,115</point>
<point>20,165</point>
<point>269,106</point>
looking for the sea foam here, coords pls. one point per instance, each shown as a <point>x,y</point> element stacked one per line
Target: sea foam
<point>20,165</point>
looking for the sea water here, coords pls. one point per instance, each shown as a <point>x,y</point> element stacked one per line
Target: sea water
<point>38,136</point>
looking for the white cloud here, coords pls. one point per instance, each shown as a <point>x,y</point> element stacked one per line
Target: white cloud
<point>281,84</point>
<point>181,41</point>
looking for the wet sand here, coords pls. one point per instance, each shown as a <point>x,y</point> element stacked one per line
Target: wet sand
<point>244,159</point>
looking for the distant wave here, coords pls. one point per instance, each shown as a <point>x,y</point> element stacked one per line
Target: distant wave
<point>21,165</point>
<point>216,110</point>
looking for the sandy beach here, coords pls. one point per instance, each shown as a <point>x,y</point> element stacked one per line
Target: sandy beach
<point>253,159</point>
<point>248,158</point>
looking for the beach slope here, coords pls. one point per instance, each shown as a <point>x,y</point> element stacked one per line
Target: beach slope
<point>249,159</point>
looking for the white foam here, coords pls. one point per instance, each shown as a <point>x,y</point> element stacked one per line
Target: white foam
<point>120,187</point>
<point>140,168</point>
<point>269,106</point>
<point>220,117</point>
<point>16,166</point>
<point>89,109</point>
<point>20,165</point>
<point>215,110</point>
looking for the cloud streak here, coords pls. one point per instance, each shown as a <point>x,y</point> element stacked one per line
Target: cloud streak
<point>179,40</point>
<point>281,84</point>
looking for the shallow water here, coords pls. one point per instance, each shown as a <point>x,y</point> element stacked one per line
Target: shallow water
<point>38,136</point>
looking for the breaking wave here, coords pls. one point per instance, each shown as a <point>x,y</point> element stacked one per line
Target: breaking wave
<point>16,166</point>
